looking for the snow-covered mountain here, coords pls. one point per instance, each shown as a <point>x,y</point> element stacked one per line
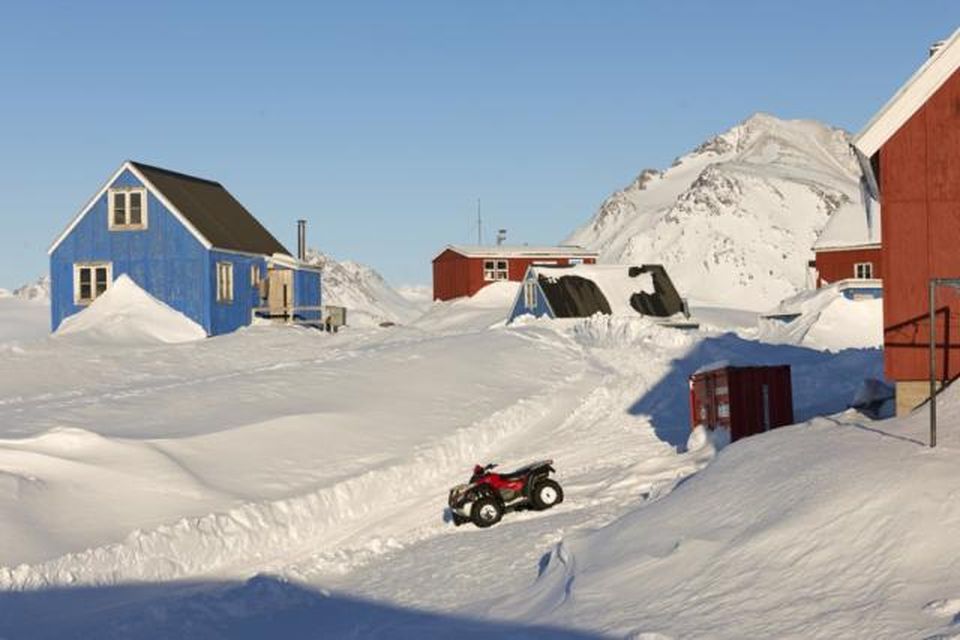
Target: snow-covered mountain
<point>369,299</point>
<point>733,220</point>
<point>39,290</point>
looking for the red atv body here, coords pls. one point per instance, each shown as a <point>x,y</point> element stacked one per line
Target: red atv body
<point>489,495</point>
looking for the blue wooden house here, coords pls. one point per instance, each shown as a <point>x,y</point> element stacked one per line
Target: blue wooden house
<point>187,242</point>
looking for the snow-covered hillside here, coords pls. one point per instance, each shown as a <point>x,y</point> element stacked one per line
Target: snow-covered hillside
<point>39,290</point>
<point>734,219</point>
<point>368,297</point>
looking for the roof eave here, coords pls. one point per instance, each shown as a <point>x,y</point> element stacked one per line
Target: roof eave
<point>936,70</point>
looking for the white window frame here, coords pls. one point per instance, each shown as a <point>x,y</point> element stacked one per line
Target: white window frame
<point>256,275</point>
<point>111,209</point>
<point>225,282</point>
<point>530,294</point>
<point>866,266</point>
<point>92,266</point>
<point>495,269</point>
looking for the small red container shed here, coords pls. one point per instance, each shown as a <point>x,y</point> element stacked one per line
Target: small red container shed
<point>743,400</point>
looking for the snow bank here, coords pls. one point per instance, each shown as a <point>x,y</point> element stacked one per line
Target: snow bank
<point>826,320</point>
<point>127,313</point>
<point>487,307</point>
<point>840,528</point>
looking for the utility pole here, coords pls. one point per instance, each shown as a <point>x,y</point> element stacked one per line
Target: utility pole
<point>479,224</point>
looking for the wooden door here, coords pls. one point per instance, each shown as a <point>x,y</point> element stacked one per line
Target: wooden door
<point>280,291</point>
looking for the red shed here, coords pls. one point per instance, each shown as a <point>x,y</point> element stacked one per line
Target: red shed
<point>463,270</point>
<point>848,248</point>
<point>910,154</point>
<point>743,400</point>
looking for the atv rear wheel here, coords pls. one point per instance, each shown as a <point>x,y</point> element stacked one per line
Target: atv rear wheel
<point>546,494</point>
<point>486,512</point>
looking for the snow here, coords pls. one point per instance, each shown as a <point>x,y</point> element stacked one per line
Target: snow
<point>849,227</point>
<point>280,474</point>
<point>22,321</point>
<point>369,299</point>
<point>613,280</point>
<point>827,320</point>
<point>521,251</point>
<point>127,313</point>
<point>733,222</point>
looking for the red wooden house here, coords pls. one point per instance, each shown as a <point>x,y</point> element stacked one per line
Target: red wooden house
<point>463,270</point>
<point>849,245</point>
<point>910,153</point>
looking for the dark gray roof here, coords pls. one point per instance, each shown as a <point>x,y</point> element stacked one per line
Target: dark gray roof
<point>210,208</point>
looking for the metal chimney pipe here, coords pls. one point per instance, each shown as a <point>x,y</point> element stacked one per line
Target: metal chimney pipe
<point>301,240</point>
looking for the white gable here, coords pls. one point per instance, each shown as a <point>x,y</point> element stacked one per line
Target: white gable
<point>914,94</point>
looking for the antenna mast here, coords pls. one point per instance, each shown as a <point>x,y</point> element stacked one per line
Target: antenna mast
<point>479,224</point>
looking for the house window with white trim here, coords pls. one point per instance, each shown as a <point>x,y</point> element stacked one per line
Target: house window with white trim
<point>225,282</point>
<point>494,270</point>
<point>127,208</point>
<point>90,281</point>
<point>255,275</point>
<point>530,294</point>
<point>863,270</point>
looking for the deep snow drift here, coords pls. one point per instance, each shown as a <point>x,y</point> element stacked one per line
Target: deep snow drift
<point>324,460</point>
<point>734,220</point>
<point>127,313</point>
<point>825,319</point>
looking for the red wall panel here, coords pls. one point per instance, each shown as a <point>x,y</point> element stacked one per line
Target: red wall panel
<point>920,195</point>
<point>833,266</point>
<point>455,275</point>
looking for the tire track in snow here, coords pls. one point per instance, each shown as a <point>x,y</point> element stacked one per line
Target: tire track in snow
<point>265,532</point>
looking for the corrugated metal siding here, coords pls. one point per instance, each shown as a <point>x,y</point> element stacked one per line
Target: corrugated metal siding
<point>164,259</point>
<point>920,195</point>
<point>734,398</point>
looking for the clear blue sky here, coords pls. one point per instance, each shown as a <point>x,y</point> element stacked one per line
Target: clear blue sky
<point>382,122</point>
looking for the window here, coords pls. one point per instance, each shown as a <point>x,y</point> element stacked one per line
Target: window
<point>90,281</point>
<point>530,294</point>
<point>255,276</point>
<point>863,270</point>
<point>225,282</point>
<point>495,270</point>
<point>128,208</point>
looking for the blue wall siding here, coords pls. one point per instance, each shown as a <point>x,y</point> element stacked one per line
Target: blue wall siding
<point>230,316</point>
<point>540,308</point>
<point>306,293</point>
<point>165,259</point>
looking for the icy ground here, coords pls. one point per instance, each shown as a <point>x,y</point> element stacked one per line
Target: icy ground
<point>286,483</point>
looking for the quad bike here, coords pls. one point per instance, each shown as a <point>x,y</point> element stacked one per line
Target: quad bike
<point>489,495</point>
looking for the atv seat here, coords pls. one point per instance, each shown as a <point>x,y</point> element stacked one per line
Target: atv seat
<point>522,472</point>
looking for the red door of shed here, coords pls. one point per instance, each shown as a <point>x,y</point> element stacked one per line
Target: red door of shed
<point>743,400</point>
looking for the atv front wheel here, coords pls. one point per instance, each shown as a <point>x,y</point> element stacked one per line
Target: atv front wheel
<point>546,494</point>
<point>486,512</point>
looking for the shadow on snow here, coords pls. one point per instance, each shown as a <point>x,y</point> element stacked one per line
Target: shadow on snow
<point>823,382</point>
<point>262,607</point>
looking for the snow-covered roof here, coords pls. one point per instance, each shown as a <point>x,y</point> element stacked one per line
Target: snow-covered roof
<point>614,282</point>
<point>911,96</point>
<point>849,227</point>
<point>520,251</point>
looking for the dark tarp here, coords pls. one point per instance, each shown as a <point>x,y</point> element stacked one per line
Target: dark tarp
<point>216,214</point>
<point>664,302</point>
<point>573,296</point>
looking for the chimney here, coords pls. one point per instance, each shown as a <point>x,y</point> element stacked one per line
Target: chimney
<point>301,240</point>
<point>936,46</point>
<point>501,236</point>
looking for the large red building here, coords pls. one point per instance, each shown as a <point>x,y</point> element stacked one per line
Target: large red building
<point>910,152</point>
<point>849,245</point>
<point>463,270</point>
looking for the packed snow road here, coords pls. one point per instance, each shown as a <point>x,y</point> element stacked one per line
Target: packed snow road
<point>325,460</point>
